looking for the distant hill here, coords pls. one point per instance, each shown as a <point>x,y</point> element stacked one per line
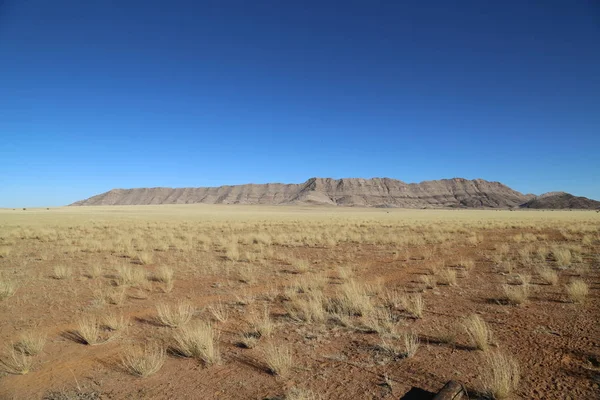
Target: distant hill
<point>375,192</point>
<point>561,200</point>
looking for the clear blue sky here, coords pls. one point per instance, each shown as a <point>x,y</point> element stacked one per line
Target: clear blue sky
<point>96,95</point>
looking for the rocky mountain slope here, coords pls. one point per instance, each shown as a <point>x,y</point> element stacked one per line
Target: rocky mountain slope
<point>561,200</point>
<point>376,192</point>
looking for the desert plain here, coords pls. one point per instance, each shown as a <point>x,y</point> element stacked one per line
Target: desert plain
<point>289,302</point>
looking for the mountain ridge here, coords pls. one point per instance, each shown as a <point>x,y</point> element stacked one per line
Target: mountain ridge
<point>372,192</point>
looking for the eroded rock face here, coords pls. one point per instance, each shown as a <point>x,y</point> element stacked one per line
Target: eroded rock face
<point>376,192</point>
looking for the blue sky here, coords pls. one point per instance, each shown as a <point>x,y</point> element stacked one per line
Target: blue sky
<point>96,95</point>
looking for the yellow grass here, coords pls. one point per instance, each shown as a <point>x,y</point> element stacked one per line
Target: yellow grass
<point>198,341</point>
<point>501,375</point>
<point>278,359</point>
<point>577,290</point>
<point>174,315</point>
<point>478,332</point>
<point>143,360</point>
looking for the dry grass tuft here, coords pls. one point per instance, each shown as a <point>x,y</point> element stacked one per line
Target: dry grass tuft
<point>7,289</point>
<point>145,258</point>
<point>94,271</point>
<point>413,304</point>
<point>516,294</point>
<point>278,359</point>
<point>577,290</point>
<point>16,362</point>
<point>301,394</point>
<point>115,322</point>
<point>448,277</point>
<point>174,316</point>
<point>130,275</point>
<point>411,344</point>
<point>262,325</point>
<point>478,332</point>
<point>430,281</point>
<point>562,256</point>
<point>197,341</point>
<point>163,274</point>
<point>31,343</point>
<point>501,375</point>
<point>351,299</point>
<point>144,360</point>
<point>89,331</point>
<point>548,275</point>
<point>219,311</point>
<point>308,309</point>
<point>62,272</point>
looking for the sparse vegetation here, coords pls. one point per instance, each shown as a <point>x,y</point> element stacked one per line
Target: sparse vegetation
<point>336,287</point>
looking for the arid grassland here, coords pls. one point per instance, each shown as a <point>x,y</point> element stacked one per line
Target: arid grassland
<point>258,302</point>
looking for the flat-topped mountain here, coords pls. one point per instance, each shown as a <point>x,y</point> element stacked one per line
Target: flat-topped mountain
<point>375,192</point>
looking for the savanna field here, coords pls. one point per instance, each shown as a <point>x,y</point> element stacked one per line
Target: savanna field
<point>262,302</point>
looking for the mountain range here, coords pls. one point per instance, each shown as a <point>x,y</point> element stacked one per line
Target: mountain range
<point>375,192</point>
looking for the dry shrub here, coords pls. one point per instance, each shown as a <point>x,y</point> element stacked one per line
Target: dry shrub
<point>144,360</point>
<point>413,304</point>
<point>577,290</point>
<point>478,332</point>
<point>62,272</point>
<point>501,375</point>
<point>548,275</point>
<point>7,289</point>
<point>31,343</point>
<point>197,341</point>
<point>174,316</point>
<point>516,294</point>
<point>278,359</point>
